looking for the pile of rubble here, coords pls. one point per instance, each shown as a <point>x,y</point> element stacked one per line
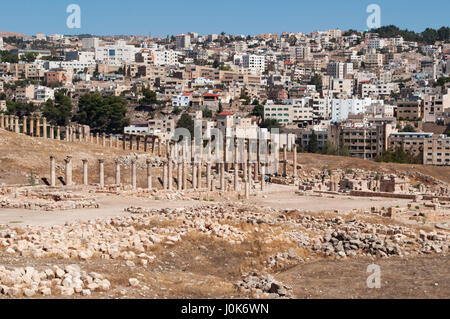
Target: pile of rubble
<point>46,205</point>
<point>282,261</point>
<point>263,286</point>
<point>30,282</point>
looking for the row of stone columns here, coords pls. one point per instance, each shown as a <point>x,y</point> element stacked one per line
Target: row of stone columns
<point>252,172</point>
<point>153,141</point>
<point>101,167</point>
<point>32,126</point>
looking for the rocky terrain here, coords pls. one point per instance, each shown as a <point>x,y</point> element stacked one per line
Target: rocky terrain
<point>278,240</point>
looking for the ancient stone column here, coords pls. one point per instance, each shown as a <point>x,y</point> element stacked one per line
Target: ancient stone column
<point>101,166</point>
<point>159,147</point>
<point>165,173</point>
<point>24,125</point>
<point>138,143</point>
<point>247,189</point>
<point>117,172</point>
<point>38,127</point>
<point>124,141</point>
<point>179,178</point>
<point>149,174</point>
<point>145,143</point>
<point>250,175</point>
<point>194,175</point>
<point>153,145</point>
<point>16,124</point>
<point>208,174</point>
<point>58,133</point>
<point>131,142</point>
<point>2,121</point>
<point>263,176</point>
<point>68,161</point>
<point>116,141</point>
<point>67,137</point>
<point>52,171</point>
<point>104,139</point>
<point>85,172</point>
<point>31,126</point>
<point>97,138</point>
<point>255,172</point>
<point>236,176</point>
<point>199,175</point>
<point>184,175</point>
<point>44,127</point>
<point>170,172</point>
<point>52,132</point>
<point>285,160</point>
<point>222,177</point>
<point>295,161</point>
<point>133,174</point>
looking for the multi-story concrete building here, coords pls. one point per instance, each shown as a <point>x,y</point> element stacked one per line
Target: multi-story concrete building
<point>366,141</point>
<point>90,43</point>
<point>339,70</point>
<point>436,150</point>
<point>116,54</point>
<point>340,108</point>
<point>254,63</point>
<point>412,142</point>
<point>24,94</point>
<point>183,41</point>
<point>410,110</point>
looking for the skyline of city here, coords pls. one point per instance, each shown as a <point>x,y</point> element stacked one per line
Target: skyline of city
<point>249,18</point>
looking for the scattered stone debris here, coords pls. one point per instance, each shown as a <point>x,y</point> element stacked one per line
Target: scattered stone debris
<point>31,282</point>
<point>264,286</point>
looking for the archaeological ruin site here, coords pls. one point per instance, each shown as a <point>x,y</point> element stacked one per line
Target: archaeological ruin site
<point>87,215</point>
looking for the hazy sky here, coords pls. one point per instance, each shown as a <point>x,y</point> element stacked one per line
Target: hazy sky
<point>160,18</point>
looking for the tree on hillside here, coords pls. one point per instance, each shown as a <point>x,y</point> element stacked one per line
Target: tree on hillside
<point>58,112</point>
<point>20,109</point>
<point>207,113</point>
<point>316,80</point>
<point>258,110</point>
<point>313,146</point>
<point>270,124</point>
<point>186,122</point>
<point>102,114</point>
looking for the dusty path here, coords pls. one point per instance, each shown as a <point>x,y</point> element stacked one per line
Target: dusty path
<point>419,277</point>
<point>276,196</point>
<point>110,206</point>
<point>285,197</point>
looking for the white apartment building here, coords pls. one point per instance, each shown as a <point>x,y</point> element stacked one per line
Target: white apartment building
<point>116,54</point>
<point>183,41</point>
<point>396,41</point>
<point>43,93</point>
<point>90,43</point>
<point>383,89</point>
<point>294,110</point>
<point>377,44</point>
<point>183,99</point>
<point>303,52</point>
<point>255,63</point>
<point>339,70</point>
<point>165,57</point>
<point>340,108</point>
<point>374,60</point>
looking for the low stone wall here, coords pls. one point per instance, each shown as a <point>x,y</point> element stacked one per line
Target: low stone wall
<point>379,194</point>
<point>441,198</point>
